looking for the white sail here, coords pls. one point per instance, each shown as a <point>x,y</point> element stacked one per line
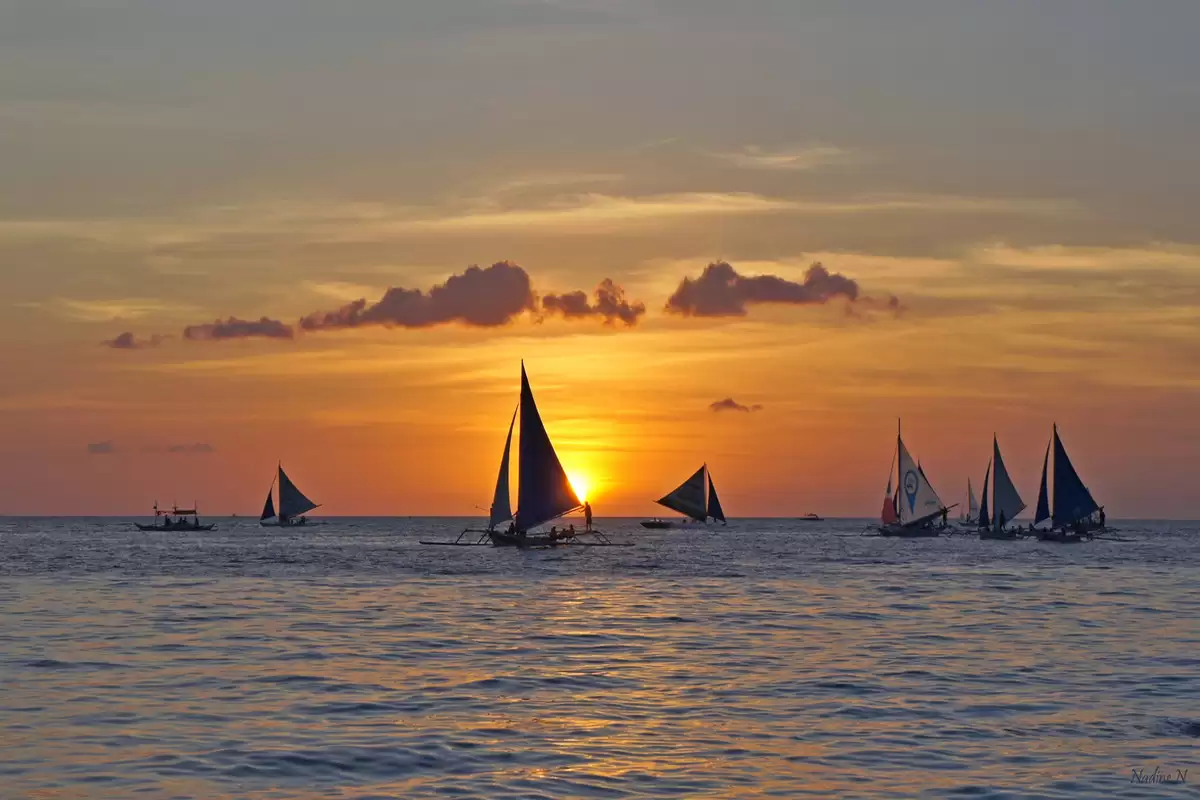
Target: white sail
<point>501,510</point>
<point>918,500</point>
<point>972,503</point>
<point>1007,502</point>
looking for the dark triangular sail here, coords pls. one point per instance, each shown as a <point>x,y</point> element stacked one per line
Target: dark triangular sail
<point>543,490</point>
<point>1043,502</point>
<point>292,501</point>
<point>1006,501</point>
<point>1072,500</point>
<point>501,510</point>
<point>688,498</point>
<point>268,508</point>
<point>985,521</point>
<point>714,505</point>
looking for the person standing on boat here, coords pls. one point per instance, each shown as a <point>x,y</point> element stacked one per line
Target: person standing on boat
<point>587,515</point>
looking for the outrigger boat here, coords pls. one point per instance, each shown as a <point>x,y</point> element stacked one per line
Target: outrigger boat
<point>293,505</point>
<point>1006,503</point>
<point>182,523</point>
<point>910,511</point>
<point>1075,515</point>
<point>544,492</point>
<point>691,500</point>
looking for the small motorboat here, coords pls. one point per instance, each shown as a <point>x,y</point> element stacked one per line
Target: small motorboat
<point>182,523</point>
<point>810,518</point>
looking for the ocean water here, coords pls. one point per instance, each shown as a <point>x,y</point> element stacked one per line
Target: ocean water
<point>770,659</point>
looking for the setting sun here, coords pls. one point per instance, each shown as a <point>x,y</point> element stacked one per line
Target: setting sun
<point>580,484</point>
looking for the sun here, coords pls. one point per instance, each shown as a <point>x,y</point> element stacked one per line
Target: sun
<point>580,484</point>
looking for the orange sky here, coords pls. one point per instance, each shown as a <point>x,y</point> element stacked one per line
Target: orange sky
<point>1043,260</point>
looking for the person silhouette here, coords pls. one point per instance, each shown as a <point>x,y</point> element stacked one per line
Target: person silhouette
<point>587,515</point>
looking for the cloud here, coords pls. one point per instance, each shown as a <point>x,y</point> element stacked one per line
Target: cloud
<point>198,448</point>
<point>102,448</point>
<point>803,157</point>
<point>721,292</point>
<point>729,404</point>
<point>610,305</point>
<point>486,297</point>
<point>127,341</point>
<point>234,328</point>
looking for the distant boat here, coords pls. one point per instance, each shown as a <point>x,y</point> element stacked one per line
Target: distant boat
<point>1073,513</point>
<point>1006,502</point>
<point>696,498</point>
<point>970,515</point>
<point>544,492</point>
<point>182,523</point>
<point>293,505</point>
<point>909,511</point>
<point>810,518</point>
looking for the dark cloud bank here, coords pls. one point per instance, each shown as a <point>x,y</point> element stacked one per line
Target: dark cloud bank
<point>127,341</point>
<point>234,328</point>
<point>721,292</point>
<point>608,304</point>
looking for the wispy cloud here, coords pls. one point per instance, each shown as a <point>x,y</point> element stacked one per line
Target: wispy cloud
<point>113,310</point>
<point>797,158</point>
<point>102,448</point>
<point>729,404</point>
<point>609,305</point>
<point>234,328</point>
<point>196,448</point>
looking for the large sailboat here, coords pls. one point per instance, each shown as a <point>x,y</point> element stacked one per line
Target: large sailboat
<point>544,492</point>
<point>1073,513</point>
<point>1005,503</point>
<point>695,498</point>
<point>293,505</point>
<point>911,510</point>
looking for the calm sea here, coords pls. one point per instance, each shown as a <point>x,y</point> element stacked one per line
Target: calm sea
<point>769,659</point>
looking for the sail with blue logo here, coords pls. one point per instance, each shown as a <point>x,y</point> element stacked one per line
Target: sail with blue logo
<point>919,501</point>
<point>1072,500</point>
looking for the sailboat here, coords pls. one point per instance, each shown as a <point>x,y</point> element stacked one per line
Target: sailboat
<point>911,510</point>
<point>544,492</point>
<point>1073,513</point>
<point>691,500</point>
<point>1006,502</point>
<point>293,505</point>
<point>970,515</point>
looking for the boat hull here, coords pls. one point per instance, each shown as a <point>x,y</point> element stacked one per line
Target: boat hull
<point>657,524</point>
<point>908,532</point>
<point>174,528</point>
<point>1062,537</point>
<point>505,539</point>
<point>305,524</point>
<point>1004,536</point>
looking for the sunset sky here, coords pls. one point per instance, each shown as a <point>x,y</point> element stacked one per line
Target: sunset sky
<point>194,195</point>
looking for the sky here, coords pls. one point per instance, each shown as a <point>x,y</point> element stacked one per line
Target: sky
<point>752,235</point>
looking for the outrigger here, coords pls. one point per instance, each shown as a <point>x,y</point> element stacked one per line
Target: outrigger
<point>544,493</point>
<point>182,523</point>
<point>1075,515</point>
<point>911,510</point>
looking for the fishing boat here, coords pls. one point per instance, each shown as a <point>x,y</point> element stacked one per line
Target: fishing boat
<point>1073,513</point>
<point>1005,504</point>
<point>181,523</point>
<point>969,518</point>
<point>910,511</point>
<point>695,498</point>
<point>544,493</point>
<point>293,505</point>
